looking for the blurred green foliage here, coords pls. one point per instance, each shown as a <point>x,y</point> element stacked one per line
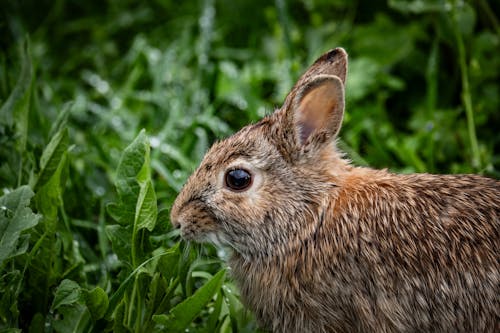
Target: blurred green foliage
<point>80,79</point>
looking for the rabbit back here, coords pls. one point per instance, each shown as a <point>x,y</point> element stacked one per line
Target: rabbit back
<point>391,253</point>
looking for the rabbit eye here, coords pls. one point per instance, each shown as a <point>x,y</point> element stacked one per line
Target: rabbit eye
<point>238,179</point>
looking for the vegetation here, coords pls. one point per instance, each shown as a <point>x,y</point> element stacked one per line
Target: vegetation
<point>85,239</point>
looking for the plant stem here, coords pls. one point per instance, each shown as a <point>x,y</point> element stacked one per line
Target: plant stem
<point>466,94</point>
<point>483,4</point>
<point>285,25</point>
<point>432,93</point>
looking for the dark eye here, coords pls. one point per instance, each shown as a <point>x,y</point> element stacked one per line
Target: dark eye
<point>238,179</point>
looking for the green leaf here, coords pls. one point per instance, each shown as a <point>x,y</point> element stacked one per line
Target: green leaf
<point>51,158</point>
<point>15,217</point>
<point>134,186</point>
<point>97,303</point>
<point>168,264</point>
<point>119,319</point>
<point>49,196</point>
<point>62,119</point>
<point>68,292</point>
<point>146,210</point>
<point>37,323</point>
<point>137,208</point>
<point>183,313</point>
<point>116,298</point>
<point>72,315</point>
<point>72,319</point>
<point>120,238</point>
<point>214,316</point>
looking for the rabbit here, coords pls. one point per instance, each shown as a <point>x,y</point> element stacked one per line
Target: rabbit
<point>320,245</point>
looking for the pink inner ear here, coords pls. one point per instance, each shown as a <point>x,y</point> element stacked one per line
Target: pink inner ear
<point>315,111</point>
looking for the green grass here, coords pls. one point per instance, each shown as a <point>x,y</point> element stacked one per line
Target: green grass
<point>86,243</point>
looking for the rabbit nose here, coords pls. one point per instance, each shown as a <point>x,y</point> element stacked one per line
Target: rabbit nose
<point>176,224</point>
<point>175,215</point>
<point>175,218</point>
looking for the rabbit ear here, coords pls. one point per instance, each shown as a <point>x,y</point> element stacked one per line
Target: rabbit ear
<point>333,62</point>
<point>317,110</point>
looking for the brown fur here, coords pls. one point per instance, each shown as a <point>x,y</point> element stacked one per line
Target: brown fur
<point>323,246</point>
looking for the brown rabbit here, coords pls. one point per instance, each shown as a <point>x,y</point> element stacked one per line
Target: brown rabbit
<point>324,246</point>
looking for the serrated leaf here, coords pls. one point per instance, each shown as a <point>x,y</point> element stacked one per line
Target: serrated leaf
<point>137,204</point>
<point>183,313</point>
<point>68,292</point>
<point>15,217</point>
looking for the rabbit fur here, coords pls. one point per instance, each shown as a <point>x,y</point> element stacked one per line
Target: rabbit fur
<point>320,245</point>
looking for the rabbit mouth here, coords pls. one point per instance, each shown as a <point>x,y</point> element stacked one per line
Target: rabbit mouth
<point>201,236</point>
<point>191,234</point>
<point>211,237</point>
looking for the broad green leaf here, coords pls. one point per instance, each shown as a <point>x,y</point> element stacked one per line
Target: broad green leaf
<point>183,313</point>
<point>68,292</point>
<point>97,302</point>
<point>69,304</point>
<point>72,319</point>
<point>137,208</point>
<point>137,204</point>
<point>115,211</point>
<point>15,217</point>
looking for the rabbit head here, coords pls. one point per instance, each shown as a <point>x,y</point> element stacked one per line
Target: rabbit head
<point>261,190</point>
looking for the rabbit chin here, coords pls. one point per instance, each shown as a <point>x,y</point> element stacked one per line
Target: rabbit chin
<point>221,243</point>
<point>205,237</point>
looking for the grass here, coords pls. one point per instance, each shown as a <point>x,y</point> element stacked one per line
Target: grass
<point>86,244</point>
